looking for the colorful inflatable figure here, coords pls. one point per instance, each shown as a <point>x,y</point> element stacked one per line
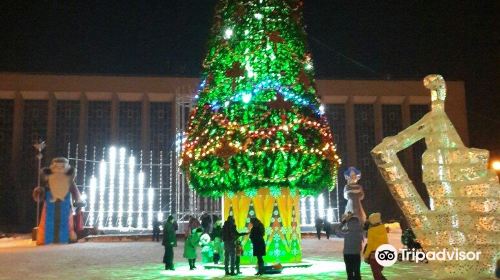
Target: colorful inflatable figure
<point>60,196</point>
<point>353,193</point>
<point>464,194</point>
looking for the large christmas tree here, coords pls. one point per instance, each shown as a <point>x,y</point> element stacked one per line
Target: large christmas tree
<point>257,135</point>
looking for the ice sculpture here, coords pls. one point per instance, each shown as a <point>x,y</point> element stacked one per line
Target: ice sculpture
<point>353,193</point>
<point>464,193</point>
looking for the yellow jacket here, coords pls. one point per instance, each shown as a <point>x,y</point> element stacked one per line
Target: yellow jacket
<point>377,235</point>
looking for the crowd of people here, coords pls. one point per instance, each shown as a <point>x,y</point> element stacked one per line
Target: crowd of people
<point>224,241</point>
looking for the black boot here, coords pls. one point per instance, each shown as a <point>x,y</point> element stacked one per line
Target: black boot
<point>190,264</point>
<point>194,265</point>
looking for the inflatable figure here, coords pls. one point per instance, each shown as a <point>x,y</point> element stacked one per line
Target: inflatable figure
<point>354,193</point>
<point>56,223</point>
<point>464,194</point>
<point>207,251</point>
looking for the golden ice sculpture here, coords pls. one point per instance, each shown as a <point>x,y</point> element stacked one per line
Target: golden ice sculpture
<point>464,194</point>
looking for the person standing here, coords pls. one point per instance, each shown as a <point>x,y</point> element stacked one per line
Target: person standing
<point>206,222</point>
<point>352,232</point>
<point>318,224</point>
<point>156,230</point>
<point>169,242</point>
<point>328,228</point>
<point>259,246</point>
<point>190,245</point>
<point>239,252</point>
<point>216,237</point>
<point>229,236</point>
<point>377,235</point>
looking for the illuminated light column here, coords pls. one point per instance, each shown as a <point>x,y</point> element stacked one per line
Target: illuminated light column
<point>111,192</point>
<point>121,185</point>
<point>150,192</point>
<point>312,211</point>
<point>329,214</point>
<point>102,186</point>
<point>321,206</point>
<point>160,184</point>
<point>93,186</point>
<point>140,205</point>
<point>150,207</point>
<point>131,178</point>
<point>303,210</point>
<point>171,164</point>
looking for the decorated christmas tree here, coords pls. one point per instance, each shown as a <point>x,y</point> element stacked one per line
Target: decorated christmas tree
<point>258,133</point>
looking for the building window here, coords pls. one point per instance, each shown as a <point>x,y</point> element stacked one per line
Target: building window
<point>365,142</point>
<point>99,124</point>
<point>6,129</point>
<point>34,130</point>
<point>67,125</point>
<point>161,126</point>
<point>335,113</point>
<point>130,125</point>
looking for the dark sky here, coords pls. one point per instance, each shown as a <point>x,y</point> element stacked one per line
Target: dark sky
<point>348,40</point>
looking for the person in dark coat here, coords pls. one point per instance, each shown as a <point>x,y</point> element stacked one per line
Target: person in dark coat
<point>216,236</point>
<point>352,232</point>
<point>229,236</point>
<point>328,228</point>
<point>156,230</point>
<point>206,222</point>
<point>169,241</point>
<point>259,246</point>
<point>318,224</point>
<point>190,245</point>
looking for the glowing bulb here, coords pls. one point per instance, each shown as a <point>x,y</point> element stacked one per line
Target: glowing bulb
<point>246,97</point>
<point>226,103</point>
<point>160,216</point>
<point>308,66</point>
<point>496,165</point>
<point>322,108</point>
<point>228,33</point>
<point>259,16</point>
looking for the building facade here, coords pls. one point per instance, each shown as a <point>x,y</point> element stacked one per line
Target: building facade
<point>142,114</point>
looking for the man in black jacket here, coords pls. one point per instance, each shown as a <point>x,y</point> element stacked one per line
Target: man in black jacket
<point>229,236</point>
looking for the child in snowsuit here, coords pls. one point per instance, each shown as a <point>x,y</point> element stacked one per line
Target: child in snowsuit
<point>377,235</point>
<point>192,241</point>
<point>239,252</point>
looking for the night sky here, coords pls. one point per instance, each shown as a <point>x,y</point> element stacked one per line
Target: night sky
<point>348,40</point>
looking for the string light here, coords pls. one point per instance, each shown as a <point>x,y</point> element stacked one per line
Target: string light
<point>111,192</point>
<point>93,190</point>
<point>321,206</point>
<point>102,186</point>
<point>131,178</point>
<point>140,222</point>
<point>121,185</point>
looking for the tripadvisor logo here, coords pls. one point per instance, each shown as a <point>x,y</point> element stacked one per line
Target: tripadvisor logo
<point>387,255</point>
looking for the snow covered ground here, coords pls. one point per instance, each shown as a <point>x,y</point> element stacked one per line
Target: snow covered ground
<point>20,259</point>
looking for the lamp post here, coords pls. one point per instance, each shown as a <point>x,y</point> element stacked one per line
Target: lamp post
<point>39,148</point>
